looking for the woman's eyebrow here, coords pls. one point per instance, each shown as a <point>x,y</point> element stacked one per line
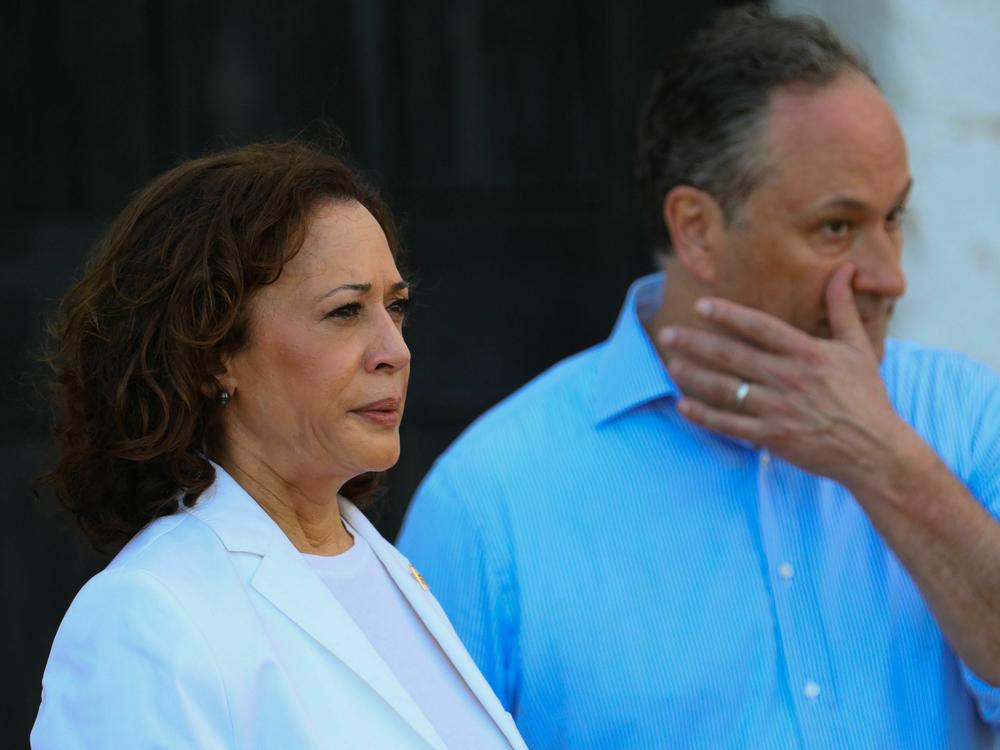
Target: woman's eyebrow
<point>356,287</point>
<point>364,288</point>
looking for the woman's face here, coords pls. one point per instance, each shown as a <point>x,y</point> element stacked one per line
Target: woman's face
<point>318,392</point>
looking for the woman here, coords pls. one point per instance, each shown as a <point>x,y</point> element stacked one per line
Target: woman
<point>230,374</point>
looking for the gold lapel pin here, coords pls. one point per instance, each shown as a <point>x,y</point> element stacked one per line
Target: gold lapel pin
<point>420,579</point>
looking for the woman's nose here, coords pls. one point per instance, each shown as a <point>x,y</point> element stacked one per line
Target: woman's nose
<point>389,349</point>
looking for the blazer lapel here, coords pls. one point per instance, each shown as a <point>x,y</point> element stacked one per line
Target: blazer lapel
<point>429,611</point>
<point>287,582</point>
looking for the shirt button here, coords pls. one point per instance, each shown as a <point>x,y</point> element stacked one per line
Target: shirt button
<point>765,458</point>
<point>786,571</point>
<point>811,690</point>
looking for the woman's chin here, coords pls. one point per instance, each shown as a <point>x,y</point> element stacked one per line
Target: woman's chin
<point>382,460</point>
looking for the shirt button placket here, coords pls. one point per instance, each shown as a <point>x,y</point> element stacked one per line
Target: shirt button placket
<point>785,573</point>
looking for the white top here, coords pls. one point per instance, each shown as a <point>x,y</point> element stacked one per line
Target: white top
<point>358,580</point>
<point>259,654</point>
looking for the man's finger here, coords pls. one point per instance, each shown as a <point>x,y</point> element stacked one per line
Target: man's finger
<point>845,320</point>
<point>742,426</point>
<point>718,351</point>
<point>758,327</point>
<point>717,390</point>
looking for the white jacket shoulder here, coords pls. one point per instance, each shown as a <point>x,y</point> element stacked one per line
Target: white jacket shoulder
<point>128,646</point>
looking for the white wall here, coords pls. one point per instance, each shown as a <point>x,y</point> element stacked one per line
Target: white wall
<point>938,62</point>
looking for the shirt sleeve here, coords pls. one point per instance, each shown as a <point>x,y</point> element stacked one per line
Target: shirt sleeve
<point>129,669</point>
<point>452,537</point>
<point>982,393</point>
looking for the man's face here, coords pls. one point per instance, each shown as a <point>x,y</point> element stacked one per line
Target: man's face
<point>834,193</point>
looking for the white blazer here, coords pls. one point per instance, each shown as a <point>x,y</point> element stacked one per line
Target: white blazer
<point>209,630</point>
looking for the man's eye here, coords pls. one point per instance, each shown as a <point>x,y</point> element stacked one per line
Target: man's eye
<point>836,228</point>
<point>345,312</point>
<point>895,216</point>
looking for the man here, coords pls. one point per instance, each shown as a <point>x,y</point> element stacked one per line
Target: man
<point>728,525</point>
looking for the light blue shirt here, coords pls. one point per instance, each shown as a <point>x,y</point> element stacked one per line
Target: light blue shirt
<point>625,579</point>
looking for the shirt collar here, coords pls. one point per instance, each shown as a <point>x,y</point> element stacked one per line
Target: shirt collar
<point>629,371</point>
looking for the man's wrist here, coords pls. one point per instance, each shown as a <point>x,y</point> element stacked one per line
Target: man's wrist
<point>903,470</point>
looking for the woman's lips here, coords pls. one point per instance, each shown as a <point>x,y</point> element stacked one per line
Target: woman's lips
<point>385,413</point>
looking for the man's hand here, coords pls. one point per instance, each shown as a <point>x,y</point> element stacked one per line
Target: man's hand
<point>819,404</point>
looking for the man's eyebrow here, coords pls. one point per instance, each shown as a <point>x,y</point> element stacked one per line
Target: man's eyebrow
<point>842,202</point>
<point>854,204</point>
<point>364,288</point>
<point>905,194</point>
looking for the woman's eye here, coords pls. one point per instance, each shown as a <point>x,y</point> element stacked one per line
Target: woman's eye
<point>345,312</point>
<point>399,307</point>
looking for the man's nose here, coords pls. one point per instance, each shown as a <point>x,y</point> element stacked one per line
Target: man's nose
<point>880,268</point>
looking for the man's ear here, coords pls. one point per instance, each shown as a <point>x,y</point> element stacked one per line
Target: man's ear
<point>697,230</point>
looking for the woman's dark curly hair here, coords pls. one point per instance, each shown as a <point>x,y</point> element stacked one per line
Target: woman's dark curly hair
<point>138,341</point>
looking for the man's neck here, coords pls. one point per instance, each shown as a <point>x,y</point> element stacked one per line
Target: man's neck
<point>680,292</point>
